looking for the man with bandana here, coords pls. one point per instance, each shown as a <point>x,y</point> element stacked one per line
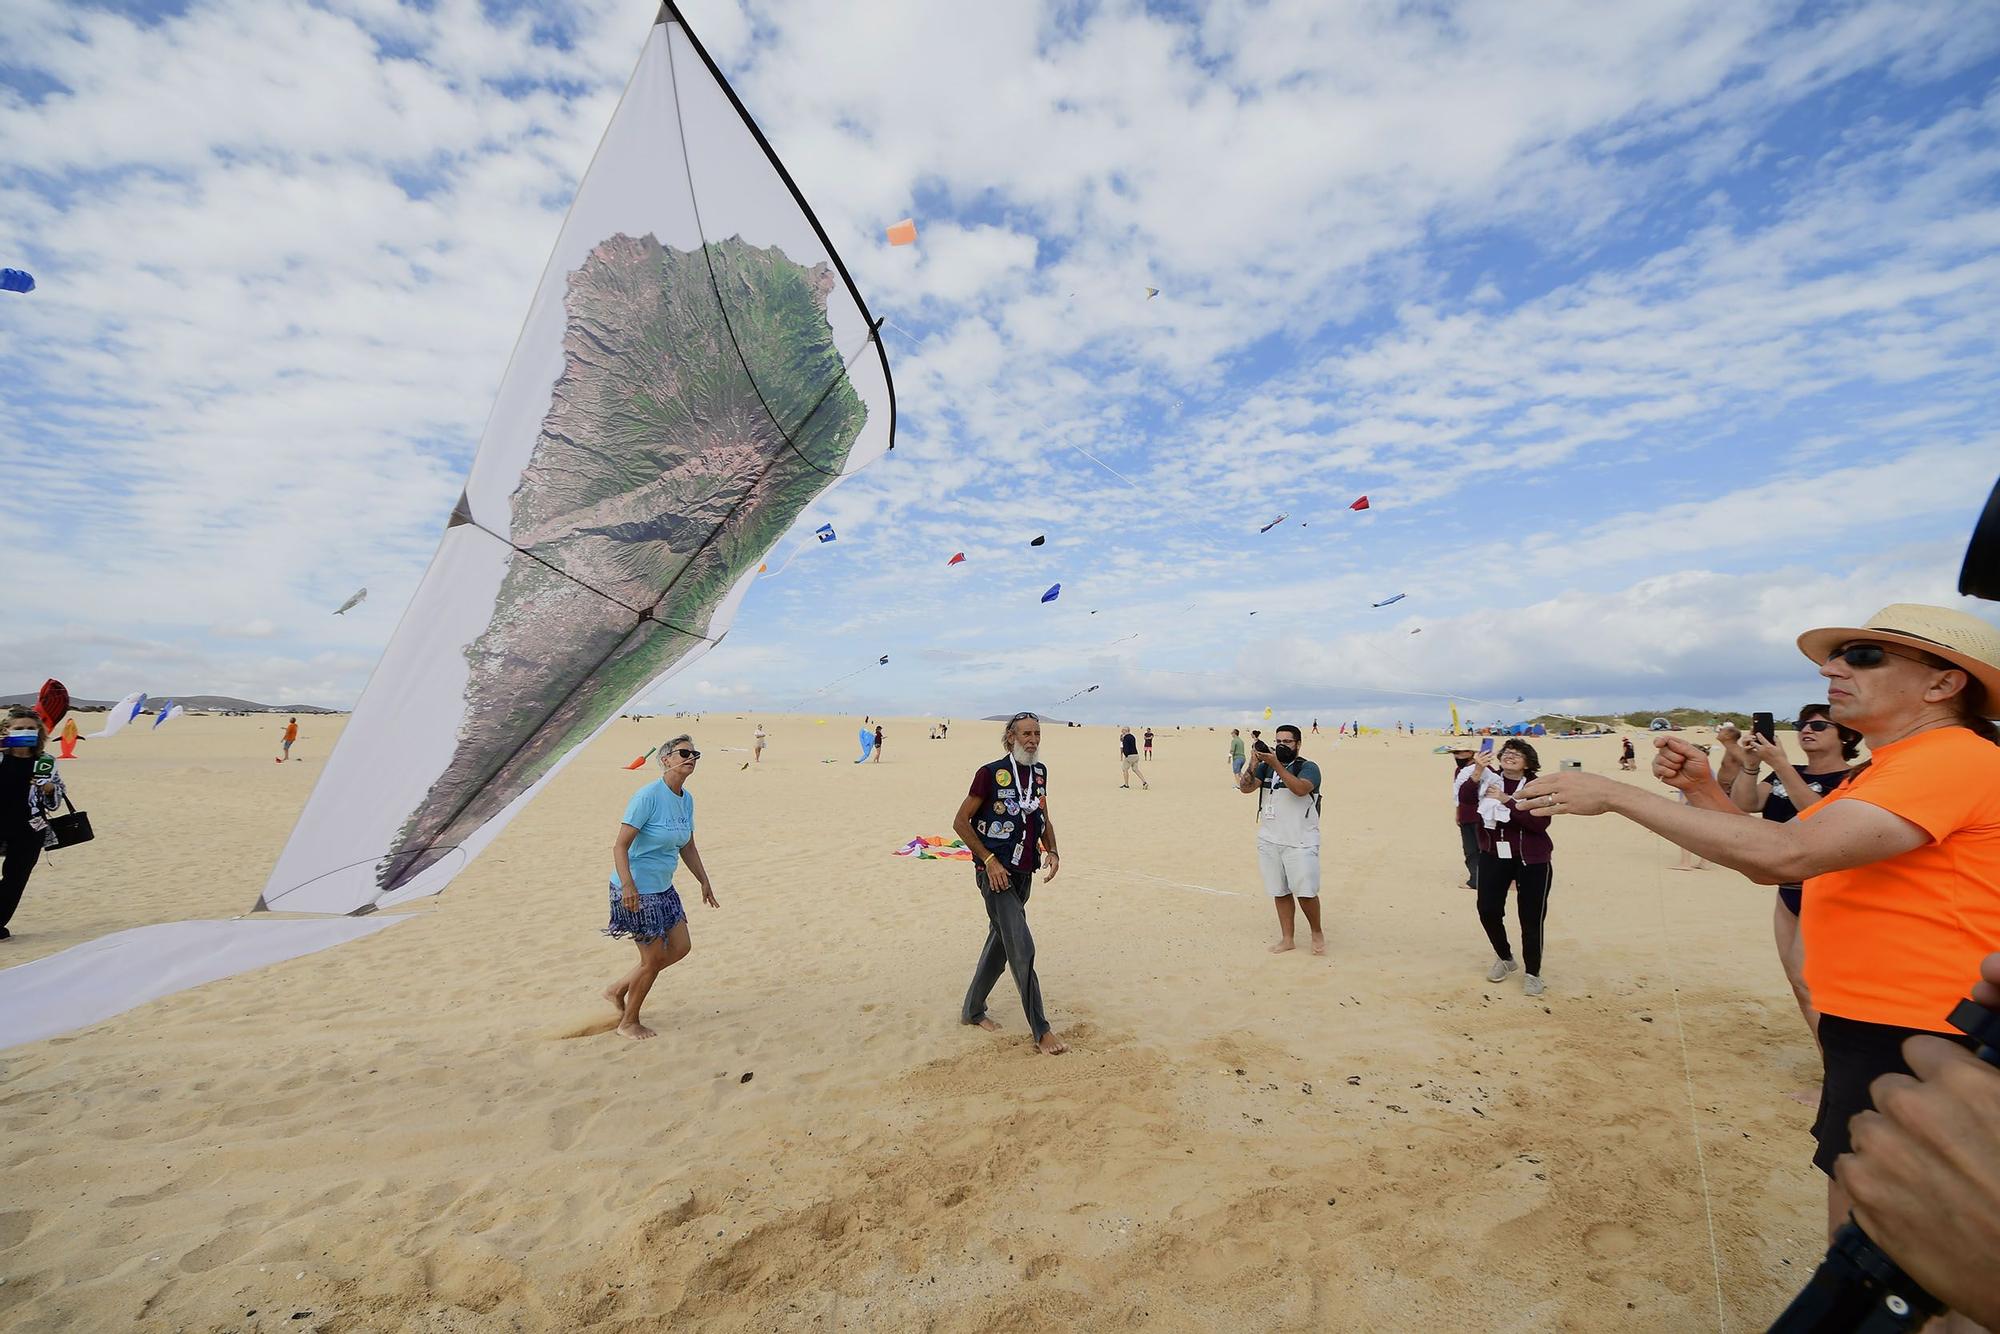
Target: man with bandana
<point>1287,789</point>
<point>1004,820</point>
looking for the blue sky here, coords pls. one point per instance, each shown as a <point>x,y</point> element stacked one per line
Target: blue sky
<point>1655,334</point>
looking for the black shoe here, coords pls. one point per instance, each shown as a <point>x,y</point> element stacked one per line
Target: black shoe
<point>5,934</point>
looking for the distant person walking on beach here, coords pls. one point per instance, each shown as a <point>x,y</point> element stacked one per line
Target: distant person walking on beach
<point>876,758</point>
<point>1466,816</point>
<point>1515,851</point>
<point>1626,759</point>
<point>1128,756</point>
<point>655,837</point>
<point>1004,820</point>
<point>757,740</point>
<point>285,743</point>
<point>1235,752</point>
<point>1315,727</point>
<point>1149,743</point>
<point>30,792</point>
<point>1287,788</point>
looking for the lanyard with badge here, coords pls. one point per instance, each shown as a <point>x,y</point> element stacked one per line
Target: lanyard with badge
<point>1024,802</point>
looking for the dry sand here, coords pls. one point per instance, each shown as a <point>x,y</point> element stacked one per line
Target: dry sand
<point>432,1129</point>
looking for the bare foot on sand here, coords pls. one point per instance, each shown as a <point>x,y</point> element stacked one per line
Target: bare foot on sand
<point>1282,946</point>
<point>616,995</point>
<point>1319,943</point>
<point>1052,1045</point>
<point>987,1024</point>
<point>637,1032</point>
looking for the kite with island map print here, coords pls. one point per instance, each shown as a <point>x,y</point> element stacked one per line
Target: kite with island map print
<point>696,369</point>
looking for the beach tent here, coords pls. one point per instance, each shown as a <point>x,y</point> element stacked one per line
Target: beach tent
<point>1660,725</point>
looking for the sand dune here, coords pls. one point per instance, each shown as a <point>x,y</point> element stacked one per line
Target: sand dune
<point>433,1130</point>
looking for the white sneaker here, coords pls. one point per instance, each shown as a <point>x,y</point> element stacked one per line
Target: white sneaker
<point>1499,970</point>
<point>1532,985</point>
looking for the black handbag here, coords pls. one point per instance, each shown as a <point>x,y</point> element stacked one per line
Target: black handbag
<point>73,828</point>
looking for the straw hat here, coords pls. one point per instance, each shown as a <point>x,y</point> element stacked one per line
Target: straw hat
<point>1963,640</point>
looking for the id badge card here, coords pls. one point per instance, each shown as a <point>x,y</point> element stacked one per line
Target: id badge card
<point>1503,850</point>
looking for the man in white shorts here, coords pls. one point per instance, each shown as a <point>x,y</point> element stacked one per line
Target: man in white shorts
<point>1287,789</point>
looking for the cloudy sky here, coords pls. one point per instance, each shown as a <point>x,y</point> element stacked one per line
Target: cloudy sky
<point>1655,333</point>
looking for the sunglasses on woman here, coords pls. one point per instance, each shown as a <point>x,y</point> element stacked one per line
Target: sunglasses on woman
<point>1814,725</point>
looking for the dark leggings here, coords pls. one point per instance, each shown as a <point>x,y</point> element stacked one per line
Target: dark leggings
<point>1468,839</point>
<point>1008,947</point>
<point>24,849</point>
<point>1531,904</point>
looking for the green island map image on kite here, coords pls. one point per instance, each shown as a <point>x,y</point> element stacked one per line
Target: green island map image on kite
<point>661,473</point>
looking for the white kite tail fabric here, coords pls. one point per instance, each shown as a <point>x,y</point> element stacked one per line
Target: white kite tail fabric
<point>696,369</point>
<point>123,712</point>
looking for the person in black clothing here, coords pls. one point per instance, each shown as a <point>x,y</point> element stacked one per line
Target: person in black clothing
<point>26,798</point>
<point>1467,817</point>
<point>1128,758</point>
<point>1779,798</point>
<point>1004,820</point>
<point>1515,851</point>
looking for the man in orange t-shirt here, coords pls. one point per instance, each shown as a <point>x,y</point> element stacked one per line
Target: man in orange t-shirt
<point>291,735</point>
<point>1901,864</point>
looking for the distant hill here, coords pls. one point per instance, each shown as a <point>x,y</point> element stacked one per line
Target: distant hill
<point>1644,718</point>
<point>197,703</point>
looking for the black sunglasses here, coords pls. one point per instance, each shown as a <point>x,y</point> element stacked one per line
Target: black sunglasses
<point>1870,655</point>
<point>1815,725</point>
<point>687,754</point>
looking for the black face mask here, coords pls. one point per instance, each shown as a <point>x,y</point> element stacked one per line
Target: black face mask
<point>1286,754</point>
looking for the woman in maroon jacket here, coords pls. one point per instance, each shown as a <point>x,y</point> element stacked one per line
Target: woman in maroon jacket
<point>1514,850</point>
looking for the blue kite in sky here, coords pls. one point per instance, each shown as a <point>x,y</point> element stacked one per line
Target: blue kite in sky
<point>16,280</point>
<point>1055,591</point>
<point>824,532</point>
<point>1386,601</point>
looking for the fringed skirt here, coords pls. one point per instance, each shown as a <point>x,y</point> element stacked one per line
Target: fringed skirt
<point>656,915</point>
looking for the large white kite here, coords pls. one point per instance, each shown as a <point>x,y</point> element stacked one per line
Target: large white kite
<point>123,712</point>
<point>695,370</point>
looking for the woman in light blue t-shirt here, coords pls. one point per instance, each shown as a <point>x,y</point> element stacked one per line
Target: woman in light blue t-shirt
<point>655,837</point>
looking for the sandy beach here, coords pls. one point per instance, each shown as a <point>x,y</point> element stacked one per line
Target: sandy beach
<point>433,1128</point>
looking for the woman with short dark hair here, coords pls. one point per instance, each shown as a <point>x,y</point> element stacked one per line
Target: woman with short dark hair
<point>1515,852</point>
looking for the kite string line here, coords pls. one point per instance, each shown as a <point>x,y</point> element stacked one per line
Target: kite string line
<point>1687,1074</point>
<point>1177,884</point>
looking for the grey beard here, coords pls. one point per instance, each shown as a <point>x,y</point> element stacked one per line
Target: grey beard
<point>1021,754</point>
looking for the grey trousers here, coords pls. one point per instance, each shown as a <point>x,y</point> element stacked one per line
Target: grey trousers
<point>1008,947</point>
<point>1468,839</point>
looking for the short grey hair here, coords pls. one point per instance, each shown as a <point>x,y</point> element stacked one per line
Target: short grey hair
<point>669,746</point>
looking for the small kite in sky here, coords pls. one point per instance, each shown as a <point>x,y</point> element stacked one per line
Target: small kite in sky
<point>959,559</point>
<point>1038,541</point>
<point>903,233</point>
<point>1360,504</point>
<point>824,532</point>
<point>16,280</point>
<point>1055,591</point>
<point>1274,523</point>
<point>1419,630</point>
<point>1267,712</point>
<point>1386,601</point>
<point>1152,292</point>
<point>882,661</point>
<point>350,604</point>
<point>1520,699</point>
